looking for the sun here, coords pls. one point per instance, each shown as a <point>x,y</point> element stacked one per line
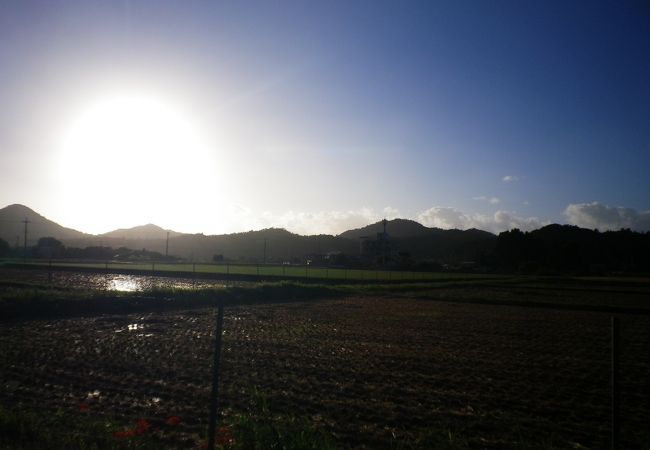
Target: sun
<point>128,159</point>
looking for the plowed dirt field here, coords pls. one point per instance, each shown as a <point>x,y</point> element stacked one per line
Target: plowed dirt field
<point>372,372</point>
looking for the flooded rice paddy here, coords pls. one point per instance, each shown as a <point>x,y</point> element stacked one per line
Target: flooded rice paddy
<point>110,281</point>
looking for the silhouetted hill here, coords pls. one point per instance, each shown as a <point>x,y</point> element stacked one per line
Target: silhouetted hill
<point>406,237</point>
<point>12,226</point>
<point>550,249</point>
<point>149,231</point>
<point>423,243</point>
<point>448,245</point>
<point>280,245</point>
<point>395,228</point>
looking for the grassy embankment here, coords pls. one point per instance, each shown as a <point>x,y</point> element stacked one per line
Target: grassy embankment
<point>249,271</point>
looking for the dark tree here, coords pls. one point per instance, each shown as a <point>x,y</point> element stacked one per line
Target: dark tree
<point>4,248</point>
<point>49,247</point>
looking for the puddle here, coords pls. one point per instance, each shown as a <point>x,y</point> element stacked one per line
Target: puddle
<point>124,283</point>
<point>115,282</point>
<point>93,394</point>
<point>131,327</point>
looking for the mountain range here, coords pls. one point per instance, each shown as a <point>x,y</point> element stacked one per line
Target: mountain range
<point>406,237</point>
<point>549,250</point>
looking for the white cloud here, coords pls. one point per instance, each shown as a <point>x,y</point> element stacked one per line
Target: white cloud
<point>504,220</point>
<point>391,213</point>
<point>510,178</point>
<point>443,217</point>
<point>320,222</point>
<point>447,218</point>
<point>586,215</point>
<point>603,217</point>
<point>336,222</point>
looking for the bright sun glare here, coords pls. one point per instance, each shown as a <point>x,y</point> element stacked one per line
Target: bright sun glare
<point>131,159</point>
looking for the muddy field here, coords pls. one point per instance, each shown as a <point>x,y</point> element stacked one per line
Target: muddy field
<point>373,372</point>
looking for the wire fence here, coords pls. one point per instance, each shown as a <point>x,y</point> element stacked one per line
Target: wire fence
<point>368,371</point>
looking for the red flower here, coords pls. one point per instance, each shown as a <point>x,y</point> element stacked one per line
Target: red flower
<point>173,420</point>
<point>225,436</point>
<point>142,426</point>
<point>84,407</point>
<point>124,434</point>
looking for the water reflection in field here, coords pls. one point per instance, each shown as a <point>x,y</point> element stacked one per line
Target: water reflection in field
<point>110,282</point>
<point>132,283</point>
<point>124,283</point>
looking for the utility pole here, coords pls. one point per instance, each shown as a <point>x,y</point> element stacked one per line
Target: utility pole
<point>264,250</point>
<point>167,246</point>
<point>214,396</point>
<point>362,239</point>
<point>384,243</point>
<point>25,247</point>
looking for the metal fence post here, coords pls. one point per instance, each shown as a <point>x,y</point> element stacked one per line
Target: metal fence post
<point>214,397</point>
<point>615,383</point>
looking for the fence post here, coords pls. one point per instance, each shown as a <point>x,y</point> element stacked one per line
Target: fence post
<point>615,382</point>
<point>214,397</point>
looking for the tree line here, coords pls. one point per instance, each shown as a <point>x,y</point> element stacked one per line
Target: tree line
<point>553,249</point>
<point>51,248</point>
<point>571,250</point>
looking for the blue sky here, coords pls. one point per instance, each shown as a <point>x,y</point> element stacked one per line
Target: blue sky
<point>321,116</point>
